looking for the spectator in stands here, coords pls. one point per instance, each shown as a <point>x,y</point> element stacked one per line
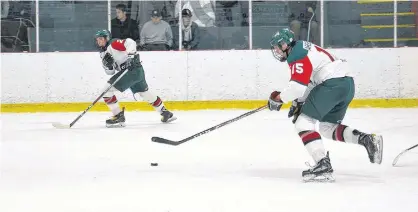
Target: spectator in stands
<point>156,35</point>
<point>301,13</point>
<point>190,32</point>
<point>20,9</point>
<point>123,26</point>
<point>16,20</point>
<point>203,11</point>
<point>5,9</point>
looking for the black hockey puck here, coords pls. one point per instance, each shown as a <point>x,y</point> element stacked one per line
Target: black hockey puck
<point>154,164</point>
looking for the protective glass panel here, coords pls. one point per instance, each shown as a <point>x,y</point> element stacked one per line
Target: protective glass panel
<point>407,23</point>
<point>18,26</point>
<point>358,24</point>
<point>213,25</point>
<point>302,17</point>
<point>69,26</point>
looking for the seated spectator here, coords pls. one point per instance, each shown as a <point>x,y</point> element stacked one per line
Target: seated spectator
<point>122,26</point>
<point>5,9</point>
<point>203,11</point>
<point>190,32</point>
<point>156,35</point>
<point>16,20</point>
<point>300,14</point>
<point>21,9</point>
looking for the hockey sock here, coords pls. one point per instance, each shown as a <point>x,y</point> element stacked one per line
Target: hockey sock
<point>112,103</point>
<point>153,100</point>
<point>313,143</point>
<point>345,134</point>
<point>158,105</point>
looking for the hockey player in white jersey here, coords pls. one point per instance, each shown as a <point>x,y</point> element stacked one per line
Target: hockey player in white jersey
<point>117,56</point>
<point>321,87</point>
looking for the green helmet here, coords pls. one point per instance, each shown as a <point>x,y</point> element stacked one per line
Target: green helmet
<point>105,34</point>
<point>282,36</point>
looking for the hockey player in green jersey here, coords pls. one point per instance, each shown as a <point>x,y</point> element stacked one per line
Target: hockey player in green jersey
<point>117,56</point>
<point>321,87</point>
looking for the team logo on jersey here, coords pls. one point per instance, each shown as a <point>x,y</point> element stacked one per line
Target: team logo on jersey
<point>306,45</point>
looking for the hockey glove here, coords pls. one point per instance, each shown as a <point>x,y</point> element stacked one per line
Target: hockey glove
<point>128,63</point>
<point>108,61</point>
<point>295,110</point>
<point>275,103</point>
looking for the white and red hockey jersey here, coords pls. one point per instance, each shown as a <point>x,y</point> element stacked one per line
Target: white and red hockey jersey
<point>120,49</point>
<point>310,65</point>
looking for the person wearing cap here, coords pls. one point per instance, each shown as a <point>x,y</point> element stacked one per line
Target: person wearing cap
<point>156,35</point>
<point>190,32</point>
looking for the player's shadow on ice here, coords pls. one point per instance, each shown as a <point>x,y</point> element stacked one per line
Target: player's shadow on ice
<point>352,178</point>
<point>129,126</point>
<point>291,174</point>
<point>294,175</point>
<point>47,127</point>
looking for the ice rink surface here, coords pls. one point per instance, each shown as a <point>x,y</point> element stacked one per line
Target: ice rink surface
<point>253,165</point>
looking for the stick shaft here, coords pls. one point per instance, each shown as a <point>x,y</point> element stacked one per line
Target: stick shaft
<point>165,141</point>
<point>98,98</point>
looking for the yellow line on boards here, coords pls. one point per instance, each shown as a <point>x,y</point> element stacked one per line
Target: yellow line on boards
<point>190,105</point>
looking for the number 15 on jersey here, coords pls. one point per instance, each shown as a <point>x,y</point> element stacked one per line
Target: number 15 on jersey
<point>297,67</point>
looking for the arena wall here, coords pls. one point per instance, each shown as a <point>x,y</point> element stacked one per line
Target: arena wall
<point>47,82</point>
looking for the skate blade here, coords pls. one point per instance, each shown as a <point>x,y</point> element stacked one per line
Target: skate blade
<point>118,125</point>
<point>325,178</point>
<point>379,154</point>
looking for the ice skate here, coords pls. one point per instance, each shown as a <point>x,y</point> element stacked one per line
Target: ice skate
<point>116,120</point>
<point>374,146</point>
<point>321,172</point>
<point>167,116</point>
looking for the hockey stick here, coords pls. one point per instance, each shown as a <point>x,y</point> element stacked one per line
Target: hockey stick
<point>309,26</point>
<point>67,126</point>
<point>175,143</point>
<point>406,150</point>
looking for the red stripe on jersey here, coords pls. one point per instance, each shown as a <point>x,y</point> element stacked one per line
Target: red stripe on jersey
<point>301,70</point>
<point>119,45</point>
<point>319,49</point>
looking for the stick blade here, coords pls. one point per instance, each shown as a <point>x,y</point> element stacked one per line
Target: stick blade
<point>61,126</point>
<point>165,141</point>
<point>397,158</point>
